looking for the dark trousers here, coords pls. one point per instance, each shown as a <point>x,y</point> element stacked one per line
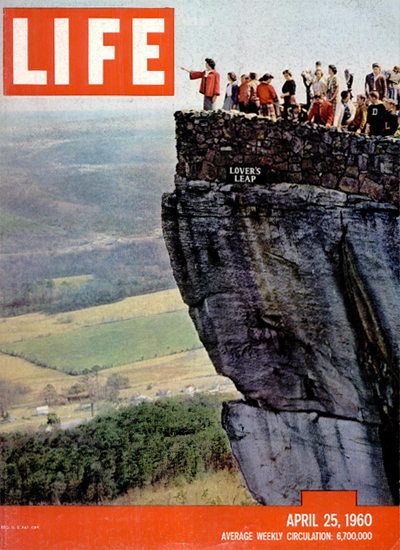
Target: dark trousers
<point>208,104</point>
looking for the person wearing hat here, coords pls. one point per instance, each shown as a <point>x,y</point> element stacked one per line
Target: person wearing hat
<point>390,118</point>
<point>267,95</point>
<point>209,85</point>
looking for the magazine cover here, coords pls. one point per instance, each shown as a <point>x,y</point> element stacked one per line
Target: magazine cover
<point>199,291</point>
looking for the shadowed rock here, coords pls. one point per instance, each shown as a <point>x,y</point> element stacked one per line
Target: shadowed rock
<point>294,291</point>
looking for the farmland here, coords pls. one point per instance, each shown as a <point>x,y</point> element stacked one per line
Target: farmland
<point>76,281</point>
<point>109,344</point>
<point>35,325</point>
<point>165,327</point>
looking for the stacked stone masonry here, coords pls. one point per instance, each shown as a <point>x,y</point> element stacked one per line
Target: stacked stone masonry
<point>209,142</point>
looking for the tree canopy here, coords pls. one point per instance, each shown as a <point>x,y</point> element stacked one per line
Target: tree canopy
<point>132,447</point>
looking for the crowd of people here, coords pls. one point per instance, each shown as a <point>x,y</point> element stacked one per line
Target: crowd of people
<point>375,111</point>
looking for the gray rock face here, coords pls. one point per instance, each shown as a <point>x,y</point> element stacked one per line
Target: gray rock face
<point>286,451</point>
<point>294,290</point>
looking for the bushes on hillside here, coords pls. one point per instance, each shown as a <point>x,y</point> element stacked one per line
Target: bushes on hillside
<point>133,447</point>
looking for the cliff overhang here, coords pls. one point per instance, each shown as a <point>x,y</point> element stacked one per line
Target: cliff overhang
<point>292,282</point>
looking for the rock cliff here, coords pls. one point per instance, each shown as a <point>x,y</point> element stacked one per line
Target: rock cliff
<point>292,281</point>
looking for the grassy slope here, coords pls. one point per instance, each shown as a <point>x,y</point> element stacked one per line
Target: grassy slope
<point>35,325</point>
<point>105,174</point>
<point>10,225</point>
<point>111,344</point>
<point>213,488</point>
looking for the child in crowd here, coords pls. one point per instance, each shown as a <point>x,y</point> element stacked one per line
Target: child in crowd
<point>297,113</point>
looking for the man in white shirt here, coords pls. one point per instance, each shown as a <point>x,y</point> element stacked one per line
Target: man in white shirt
<point>345,111</point>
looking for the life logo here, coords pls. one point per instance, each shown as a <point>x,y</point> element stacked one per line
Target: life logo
<point>88,51</point>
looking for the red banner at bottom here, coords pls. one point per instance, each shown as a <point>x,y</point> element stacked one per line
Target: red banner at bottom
<point>324,521</point>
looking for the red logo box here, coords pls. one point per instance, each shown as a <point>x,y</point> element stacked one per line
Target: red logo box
<point>88,51</point>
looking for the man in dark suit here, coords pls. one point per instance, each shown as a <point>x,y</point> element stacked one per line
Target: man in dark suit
<point>376,82</point>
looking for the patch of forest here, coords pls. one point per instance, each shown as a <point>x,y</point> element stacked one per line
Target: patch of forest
<point>132,448</point>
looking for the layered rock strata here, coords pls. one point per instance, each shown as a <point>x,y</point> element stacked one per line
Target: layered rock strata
<point>294,290</point>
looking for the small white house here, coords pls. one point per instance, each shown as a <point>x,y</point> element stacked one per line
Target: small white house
<point>42,411</point>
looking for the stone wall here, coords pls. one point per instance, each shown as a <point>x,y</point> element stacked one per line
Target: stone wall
<point>209,142</point>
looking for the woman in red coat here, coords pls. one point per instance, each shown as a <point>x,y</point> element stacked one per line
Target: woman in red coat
<point>210,84</point>
<point>267,96</point>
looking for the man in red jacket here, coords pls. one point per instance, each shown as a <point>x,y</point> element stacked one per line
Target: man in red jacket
<point>321,111</point>
<point>209,85</point>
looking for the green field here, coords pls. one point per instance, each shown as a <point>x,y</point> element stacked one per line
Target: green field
<point>10,225</point>
<point>110,344</point>
<point>76,281</point>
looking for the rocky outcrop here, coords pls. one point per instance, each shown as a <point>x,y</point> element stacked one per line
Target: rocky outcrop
<point>294,290</point>
<point>283,452</point>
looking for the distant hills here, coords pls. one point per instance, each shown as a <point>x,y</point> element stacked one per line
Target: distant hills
<point>81,196</point>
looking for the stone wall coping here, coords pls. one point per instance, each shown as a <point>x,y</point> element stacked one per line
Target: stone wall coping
<point>285,124</point>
